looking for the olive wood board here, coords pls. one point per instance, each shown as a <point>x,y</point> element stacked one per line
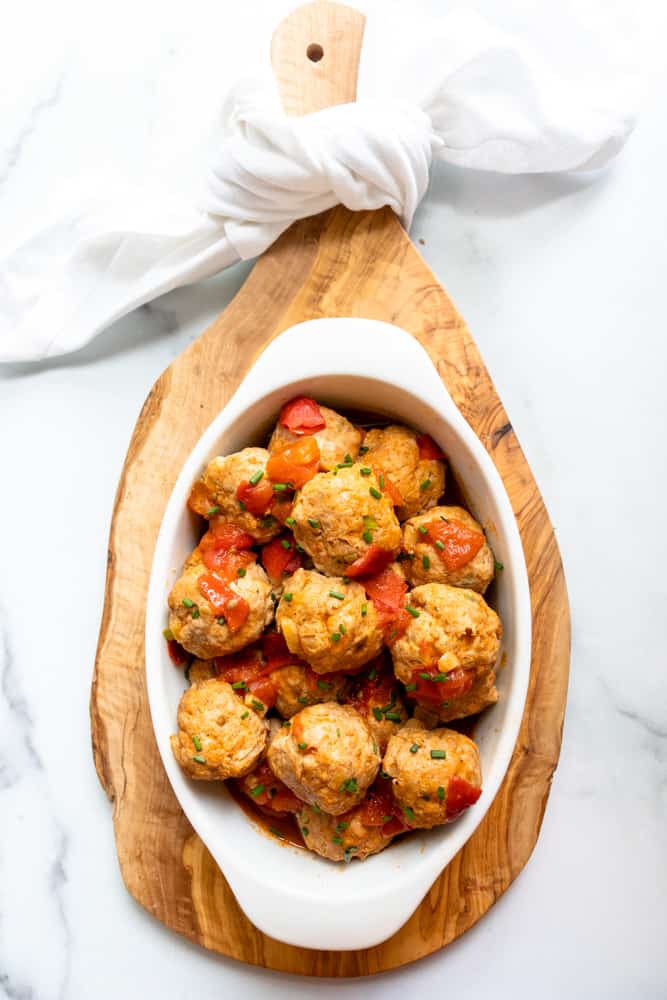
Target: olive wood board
<point>340,263</point>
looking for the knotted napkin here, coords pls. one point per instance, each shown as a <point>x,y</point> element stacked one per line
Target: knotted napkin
<point>491,104</point>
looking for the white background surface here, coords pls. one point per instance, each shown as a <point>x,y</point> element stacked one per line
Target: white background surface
<point>561,280</point>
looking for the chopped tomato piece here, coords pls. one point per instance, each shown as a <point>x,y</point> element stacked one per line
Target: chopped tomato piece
<point>225,561</point>
<point>296,464</point>
<point>256,499</point>
<point>448,687</point>
<point>394,826</point>
<point>460,543</point>
<point>177,654</point>
<point>380,808</point>
<point>373,561</point>
<point>281,507</point>
<point>273,796</point>
<point>387,588</point>
<point>275,651</point>
<point>302,416</point>
<point>280,557</point>
<point>387,486</point>
<point>228,535</point>
<point>375,686</point>
<point>428,449</point>
<point>243,666</point>
<point>460,795</point>
<point>264,690</point>
<point>224,601</point>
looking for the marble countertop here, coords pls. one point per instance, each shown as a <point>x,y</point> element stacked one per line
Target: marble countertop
<point>561,280</point>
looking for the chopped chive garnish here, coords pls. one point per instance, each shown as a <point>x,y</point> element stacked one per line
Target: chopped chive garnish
<point>348,852</point>
<point>425,483</point>
<point>350,786</point>
<point>363,449</point>
<point>499,566</point>
<point>256,476</point>
<point>336,839</point>
<point>337,732</point>
<point>439,678</point>
<point>365,471</point>
<point>197,742</point>
<point>245,715</point>
<point>342,825</point>
<point>414,748</point>
<point>168,634</point>
<point>410,813</point>
<point>441,792</point>
<point>276,833</point>
<point>410,687</point>
<point>438,754</point>
<point>381,480</point>
<point>375,492</point>
<point>392,716</point>
<point>377,713</point>
<point>337,594</point>
<point>341,628</point>
<point>314,523</point>
<point>288,597</point>
<point>384,774</point>
<point>426,562</point>
<point>387,818</point>
<point>412,611</point>
<point>299,548</point>
<point>258,705</point>
<point>424,676</point>
<point>290,521</point>
<point>445,519</point>
<point>199,759</point>
<point>241,505</point>
<point>302,746</point>
<point>445,704</point>
<point>439,545</point>
<point>422,529</point>
<point>367,536</point>
<point>303,700</point>
<point>316,808</point>
<point>221,620</point>
<point>372,674</point>
<point>187,603</point>
<point>280,487</point>
<point>364,610</point>
<point>348,458</point>
<point>324,685</point>
<point>257,790</point>
<point>212,510</point>
<point>335,636</point>
<point>239,685</point>
<point>305,831</point>
<point>286,724</point>
<point>195,613</point>
<point>241,571</point>
<point>376,749</point>
<point>286,544</point>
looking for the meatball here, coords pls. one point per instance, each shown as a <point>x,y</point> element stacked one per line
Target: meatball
<point>435,773</point>
<point>297,685</point>
<point>340,838</point>
<point>200,670</point>
<point>216,491</point>
<point>448,650</point>
<point>194,622</point>
<point>420,481</point>
<point>337,441</point>
<point>325,756</point>
<point>327,622</point>
<point>427,564</point>
<point>217,737</point>
<point>338,516</point>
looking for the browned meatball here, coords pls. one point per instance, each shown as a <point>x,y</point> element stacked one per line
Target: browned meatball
<point>325,756</point>
<point>196,626</point>
<point>340,838</point>
<point>420,481</point>
<point>454,637</point>
<point>215,492</point>
<point>298,686</point>
<point>327,622</point>
<point>217,737</point>
<point>337,441</point>
<point>422,764</point>
<point>427,564</point>
<point>338,515</point>
<point>200,670</point>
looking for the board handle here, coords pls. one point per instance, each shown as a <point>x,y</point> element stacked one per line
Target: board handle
<point>315,54</point>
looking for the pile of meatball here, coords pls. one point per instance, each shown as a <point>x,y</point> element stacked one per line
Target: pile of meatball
<point>331,620</point>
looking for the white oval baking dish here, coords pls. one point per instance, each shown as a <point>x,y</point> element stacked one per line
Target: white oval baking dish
<point>289,893</point>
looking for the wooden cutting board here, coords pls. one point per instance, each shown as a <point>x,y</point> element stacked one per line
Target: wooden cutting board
<point>340,263</point>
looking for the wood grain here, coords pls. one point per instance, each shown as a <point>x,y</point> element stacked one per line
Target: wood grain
<point>337,264</point>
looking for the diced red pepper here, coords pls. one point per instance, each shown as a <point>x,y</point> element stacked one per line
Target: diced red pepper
<point>274,797</point>
<point>428,692</point>
<point>296,464</point>
<point>461,544</point>
<point>387,486</point>
<point>428,449</point>
<point>228,535</point>
<point>256,499</point>
<point>177,654</point>
<point>302,416</point>
<point>460,796</point>
<point>373,561</point>
<point>278,559</point>
<point>224,601</point>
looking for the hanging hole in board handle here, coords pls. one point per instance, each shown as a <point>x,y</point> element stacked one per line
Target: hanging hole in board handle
<point>314,52</point>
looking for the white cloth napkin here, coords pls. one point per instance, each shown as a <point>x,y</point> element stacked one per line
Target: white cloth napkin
<point>490,103</point>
